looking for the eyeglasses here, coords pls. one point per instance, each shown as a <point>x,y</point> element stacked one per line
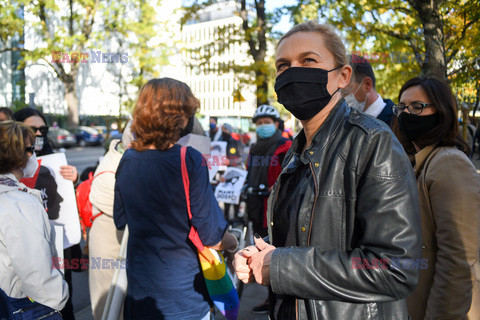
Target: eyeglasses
<point>30,149</point>
<point>415,108</point>
<point>43,129</point>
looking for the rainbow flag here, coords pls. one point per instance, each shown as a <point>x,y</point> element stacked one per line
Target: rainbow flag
<point>219,285</point>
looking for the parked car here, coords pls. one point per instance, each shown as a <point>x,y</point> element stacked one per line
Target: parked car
<point>87,136</point>
<point>61,138</point>
<point>101,129</point>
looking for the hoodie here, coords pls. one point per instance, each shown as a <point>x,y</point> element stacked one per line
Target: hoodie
<point>26,247</point>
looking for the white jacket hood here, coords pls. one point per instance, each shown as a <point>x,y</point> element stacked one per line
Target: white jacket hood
<point>26,247</point>
<point>9,183</point>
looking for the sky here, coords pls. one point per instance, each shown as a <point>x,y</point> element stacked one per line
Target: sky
<point>271,5</point>
<point>284,25</point>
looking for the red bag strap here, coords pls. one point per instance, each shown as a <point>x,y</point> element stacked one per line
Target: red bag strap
<point>102,173</point>
<point>193,235</point>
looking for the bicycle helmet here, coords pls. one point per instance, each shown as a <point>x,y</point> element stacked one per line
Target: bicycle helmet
<point>266,111</point>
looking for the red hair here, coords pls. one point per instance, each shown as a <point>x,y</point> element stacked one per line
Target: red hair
<point>162,110</point>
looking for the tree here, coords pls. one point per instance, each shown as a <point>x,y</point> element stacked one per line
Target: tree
<point>254,31</point>
<point>134,33</point>
<point>67,29</point>
<point>408,37</point>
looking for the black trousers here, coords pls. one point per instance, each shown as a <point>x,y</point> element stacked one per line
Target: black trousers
<point>255,209</point>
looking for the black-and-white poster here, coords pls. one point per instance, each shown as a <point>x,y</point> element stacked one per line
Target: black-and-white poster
<point>229,191</point>
<point>58,196</point>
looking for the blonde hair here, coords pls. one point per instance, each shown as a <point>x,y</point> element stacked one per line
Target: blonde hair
<point>333,41</point>
<point>14,137</point>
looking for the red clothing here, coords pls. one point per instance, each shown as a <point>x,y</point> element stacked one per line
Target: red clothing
<point>273,173</point>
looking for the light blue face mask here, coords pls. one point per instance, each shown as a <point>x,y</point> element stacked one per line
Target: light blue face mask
<point>266,130</point>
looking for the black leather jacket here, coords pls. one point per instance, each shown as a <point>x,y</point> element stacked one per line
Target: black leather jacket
<point>360,206</point>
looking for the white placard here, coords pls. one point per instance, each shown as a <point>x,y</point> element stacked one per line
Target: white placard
<point>198,142</point>
<point>58,197</point>
<point>56,234</point>
<point>229,191</point>
<point>218,158</point>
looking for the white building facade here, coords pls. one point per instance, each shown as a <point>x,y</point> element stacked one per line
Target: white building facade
<point>220,94</point>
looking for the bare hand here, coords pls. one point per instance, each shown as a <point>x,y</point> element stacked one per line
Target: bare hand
<point>69,172</point>
<point>259,262</point>
<point>240,264</point>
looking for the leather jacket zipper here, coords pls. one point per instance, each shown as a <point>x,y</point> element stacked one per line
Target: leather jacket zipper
<point>310,229</point>
<point>314,203</point>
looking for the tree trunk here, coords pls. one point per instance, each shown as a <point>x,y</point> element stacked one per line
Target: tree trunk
<point>258,48</point>
<point>72,103</point>
<point>435,61</point>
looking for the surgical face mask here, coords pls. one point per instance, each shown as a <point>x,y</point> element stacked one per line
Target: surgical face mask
<point>266,130</point>
<point>303,91</point>
<point>353,102</point>
<point>39,142</point>
<point>31,167</point>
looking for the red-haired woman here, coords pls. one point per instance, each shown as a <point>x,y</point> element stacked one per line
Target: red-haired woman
<point>164,276</point>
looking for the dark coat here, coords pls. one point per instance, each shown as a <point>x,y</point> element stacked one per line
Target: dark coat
<point>387,113</point>
<point>358,219</point>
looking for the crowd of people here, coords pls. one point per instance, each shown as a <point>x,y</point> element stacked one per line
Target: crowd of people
<point>373,212</point>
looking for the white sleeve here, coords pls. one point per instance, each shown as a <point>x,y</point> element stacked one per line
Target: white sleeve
<point>27,239</point>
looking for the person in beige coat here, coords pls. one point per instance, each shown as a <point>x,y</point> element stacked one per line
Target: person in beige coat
<point>449,191</point>
<point>104,238</point>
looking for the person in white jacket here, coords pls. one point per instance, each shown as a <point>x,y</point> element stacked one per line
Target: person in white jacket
<point>104,239</point>
<point>30,287</point>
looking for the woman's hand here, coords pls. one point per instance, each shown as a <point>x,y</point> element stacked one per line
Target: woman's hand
<point>259,262</point>
<point>69,172</point>
<point>240,263</point>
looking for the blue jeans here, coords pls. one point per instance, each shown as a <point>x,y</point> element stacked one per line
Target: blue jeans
<point>24,309</point>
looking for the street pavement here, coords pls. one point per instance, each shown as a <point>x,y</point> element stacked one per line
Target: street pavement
<point>253,294</point>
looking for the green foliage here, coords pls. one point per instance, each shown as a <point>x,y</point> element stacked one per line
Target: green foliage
<point>84,25</point>
<point>391,35</point>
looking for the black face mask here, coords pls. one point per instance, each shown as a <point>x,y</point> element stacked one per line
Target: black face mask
<point>303,91</point>
<point>225,136</point>
<point>414,127</point>
<point>42,146</point>
<point>188,128</point>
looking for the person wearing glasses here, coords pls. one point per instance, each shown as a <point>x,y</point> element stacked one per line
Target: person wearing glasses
<point>29,287</point>
<point>36,120</point>
<point>449,189</point>
<point>45,182</point>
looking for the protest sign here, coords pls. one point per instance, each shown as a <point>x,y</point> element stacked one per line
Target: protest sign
<point>229,191</point>
<point>198,142</point>
<point>218,158</point>
<point>58,196</point>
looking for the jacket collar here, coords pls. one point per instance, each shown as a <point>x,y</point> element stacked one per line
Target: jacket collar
<point>421,157</point>
<point>8,183</point>
<point>322,137</point>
